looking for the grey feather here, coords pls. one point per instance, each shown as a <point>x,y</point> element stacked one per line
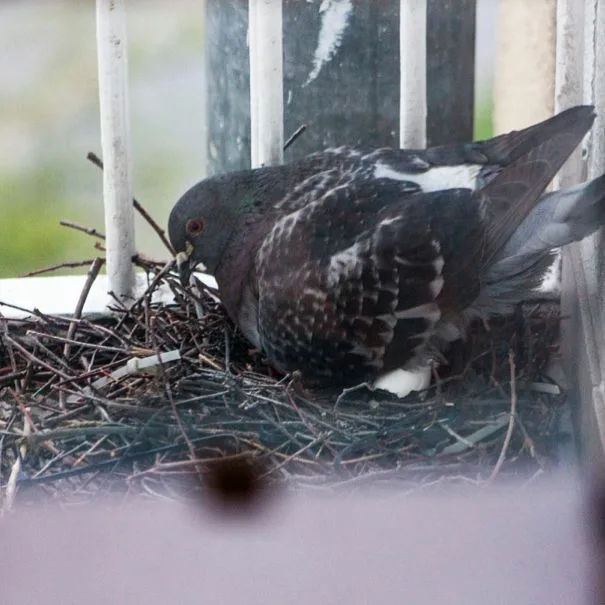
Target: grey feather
<point>560,218</point>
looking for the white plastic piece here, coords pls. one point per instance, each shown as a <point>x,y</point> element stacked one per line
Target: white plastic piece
<point>412,57</point>
<point>115,143</point>
<point>266,82</point>
<point>137,364</point>
<point>132,366</point>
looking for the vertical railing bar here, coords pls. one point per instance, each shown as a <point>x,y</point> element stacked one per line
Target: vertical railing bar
<point>569,78</point>
<point>413,68</point>
<point>254,82</point>
<point>594,82</point>
<point>115,143</point>
<point>266,82</point>
<point>580,79</point>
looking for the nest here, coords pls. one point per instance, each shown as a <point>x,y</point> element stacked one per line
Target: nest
<point>146,399</point>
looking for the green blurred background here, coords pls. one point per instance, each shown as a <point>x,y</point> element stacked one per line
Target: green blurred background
<point>49,120</point>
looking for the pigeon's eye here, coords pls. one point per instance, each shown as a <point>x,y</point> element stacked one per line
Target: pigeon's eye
<point>194,226</point>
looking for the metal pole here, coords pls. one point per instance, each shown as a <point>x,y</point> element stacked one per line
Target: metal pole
<point>580,78</point>
<point>412,67</point>
<point>115,142</point>
<point>266,82</point>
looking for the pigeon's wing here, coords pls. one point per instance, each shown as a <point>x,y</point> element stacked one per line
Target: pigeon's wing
<point>349,284</point>
<point>506,148</point>
<point>461,165</point>
<point>475,164</point>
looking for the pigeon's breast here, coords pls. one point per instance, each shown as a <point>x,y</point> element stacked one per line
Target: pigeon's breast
<point>341,314</point>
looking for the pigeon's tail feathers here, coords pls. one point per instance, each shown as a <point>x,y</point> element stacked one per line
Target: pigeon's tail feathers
<point>509,147</point>
<point>511,196</point>
<point>560,218</point>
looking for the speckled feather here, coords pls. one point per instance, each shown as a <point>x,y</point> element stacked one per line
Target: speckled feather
<point>364,269</point>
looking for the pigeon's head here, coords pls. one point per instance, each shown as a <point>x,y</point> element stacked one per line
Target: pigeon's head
<point>208,217</point>
<point>199,227</point>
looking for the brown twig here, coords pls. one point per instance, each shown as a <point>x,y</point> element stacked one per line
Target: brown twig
<point>294,136</point>
<point>511,420</point>
<point>66,265</point>
<point>80,343</point>
<point>97,263</point>
<point>35,359</point>
<point>96,160</point>
<point>87,230</point>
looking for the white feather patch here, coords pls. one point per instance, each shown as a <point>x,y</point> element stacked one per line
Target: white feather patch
<point>435,178</point>
<point>436,286</point>
<point>402,382</point>
<point>343,263</point>
<point>429,311</point>
<point>438,264</point>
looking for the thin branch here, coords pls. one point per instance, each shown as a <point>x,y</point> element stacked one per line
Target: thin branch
<point>97,161</point>
<point>90,278</point>
<point>295,136</point>
<point>87,230</point>
<point>35,359</point>
<point>66,265</point>
<point>511,419</point>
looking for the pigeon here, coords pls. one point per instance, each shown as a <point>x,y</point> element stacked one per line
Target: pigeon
<point>359,265</point>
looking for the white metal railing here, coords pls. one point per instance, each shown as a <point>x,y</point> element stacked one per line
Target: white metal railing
<point>580,77</point>
<point>266,82</point>
<point>115,144</point>
<point>412,62</point>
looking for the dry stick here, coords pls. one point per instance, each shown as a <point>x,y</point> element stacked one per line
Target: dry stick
<point>9,349</point>
<point>289,459</point>
<point>24,409</point>
<point>79,431</point>
<point>66,265</point>
<point>89,451</point>
<point>295,136</point>
<point>40,348</point>
<point>90,278</point>
<point>87,230</point>
<point>511,420</point>
<point>91,345</point>
<point>144,261</point>
<point>154,282</point>
<point>97,263</point>
<point>168,391</point>
<point>35,359</point>
<point>59,456</point>
<point>96,160</point>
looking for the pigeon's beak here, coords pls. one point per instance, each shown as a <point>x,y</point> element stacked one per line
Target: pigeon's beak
<point>183,264</point>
